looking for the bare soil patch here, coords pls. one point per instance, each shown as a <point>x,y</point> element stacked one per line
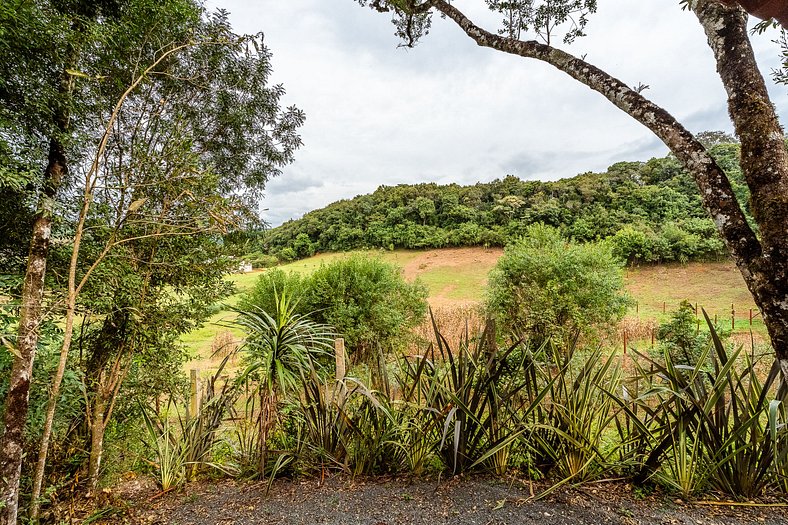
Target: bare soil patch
<point>457,277</point>
<point>458,501</point>
<point>452,258</point>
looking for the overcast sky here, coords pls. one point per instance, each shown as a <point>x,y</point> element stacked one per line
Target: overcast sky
<point>450,111</point>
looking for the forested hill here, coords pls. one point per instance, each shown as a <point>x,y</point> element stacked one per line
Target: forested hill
<point>650,210</point>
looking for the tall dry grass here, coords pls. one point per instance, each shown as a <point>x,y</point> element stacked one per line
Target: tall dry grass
<point>452,322</point>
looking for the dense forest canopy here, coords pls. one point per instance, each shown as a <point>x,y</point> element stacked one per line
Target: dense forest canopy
<point>651,210</point>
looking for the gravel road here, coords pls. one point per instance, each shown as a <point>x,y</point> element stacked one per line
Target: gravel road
<point>342,501</point>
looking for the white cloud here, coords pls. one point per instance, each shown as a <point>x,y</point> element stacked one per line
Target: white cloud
<point>449,111</point>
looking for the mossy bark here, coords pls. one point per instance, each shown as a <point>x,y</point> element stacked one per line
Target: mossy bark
<point>763,261</point>
<point>17,400</point>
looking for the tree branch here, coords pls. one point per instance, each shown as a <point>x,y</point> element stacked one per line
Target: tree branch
<point>715,188</point>
<point>764,159</point>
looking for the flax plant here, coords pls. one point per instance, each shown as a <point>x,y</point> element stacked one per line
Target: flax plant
<point>718,411</point>
<point>568,428</point>
<point>279,349</point>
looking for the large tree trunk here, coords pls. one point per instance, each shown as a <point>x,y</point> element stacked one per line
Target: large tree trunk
<point>17,400</point>
<point>764,163</point>
<point>763,262</point>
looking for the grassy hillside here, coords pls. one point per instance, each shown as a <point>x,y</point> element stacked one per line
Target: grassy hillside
<point>457,277</point>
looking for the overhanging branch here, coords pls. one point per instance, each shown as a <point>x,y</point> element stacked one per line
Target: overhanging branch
<point>715,188</point>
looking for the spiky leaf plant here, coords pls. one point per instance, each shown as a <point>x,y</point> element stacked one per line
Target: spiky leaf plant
<point>280,349</point>
<point>719,410</point>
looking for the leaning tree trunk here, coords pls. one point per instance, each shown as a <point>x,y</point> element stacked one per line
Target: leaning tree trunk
<point>763,262</point>
<point>764,163</point>
<point>108,383</point>
<point>17,400</point>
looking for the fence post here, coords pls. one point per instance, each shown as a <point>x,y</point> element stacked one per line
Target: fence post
<point>194,401</point>
<point>625,342</point>
<point>339,356</point>
<point>492,338</point>
<point>341,360</point>
<point>733,318</point>
<point>663,307</point>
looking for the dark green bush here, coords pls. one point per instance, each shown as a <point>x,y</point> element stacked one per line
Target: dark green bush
<point>680,336</point>
<point>269,285</point>
<point>260,260</point>
<point>546,286</point>
<point>366,300</point>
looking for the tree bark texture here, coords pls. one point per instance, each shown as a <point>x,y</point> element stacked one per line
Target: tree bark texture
<point>17,400</point>
<point>763,262</point>
<point>764,163</point>
<point>109,378</point>
<point>98,425</point>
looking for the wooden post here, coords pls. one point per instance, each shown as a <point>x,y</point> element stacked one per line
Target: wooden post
<point>696,310</point>
<point>750,316</point>
<point>341,361</point>
<point>492,338</point>
<point>663,307</point>
<point>194,402</point>
<point>652,338</point>
<point>339,356</point>
<point>733,318</point>
<point>637,308</point>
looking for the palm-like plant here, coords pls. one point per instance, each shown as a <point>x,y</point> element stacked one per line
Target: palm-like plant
<point>280,348</point>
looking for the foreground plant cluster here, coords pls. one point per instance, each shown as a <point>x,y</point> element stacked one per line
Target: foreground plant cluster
<point>564,414</point>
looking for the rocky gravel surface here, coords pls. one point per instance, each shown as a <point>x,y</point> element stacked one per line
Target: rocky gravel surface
<point>342,501</point>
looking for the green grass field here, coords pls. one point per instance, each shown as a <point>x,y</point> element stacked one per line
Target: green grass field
<point>457,277</point>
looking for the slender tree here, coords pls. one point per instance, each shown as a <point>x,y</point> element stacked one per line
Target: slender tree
<point>182,147</point>
<point>41,40</point>
<point>761,257</point>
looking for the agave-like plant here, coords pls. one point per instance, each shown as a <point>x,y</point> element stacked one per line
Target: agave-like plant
<point>471,396</point>
<point>719,411</point>
<point>280,349</point>
<point>170,464</point>
<point>568,429</point>
<point>182,451</point>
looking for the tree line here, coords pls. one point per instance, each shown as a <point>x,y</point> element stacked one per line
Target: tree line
<point>651,212</point>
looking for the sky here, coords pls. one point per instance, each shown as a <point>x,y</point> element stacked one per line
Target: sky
<point>448,111</point>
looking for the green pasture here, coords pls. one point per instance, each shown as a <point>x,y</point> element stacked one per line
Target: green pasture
<point>713,286</point>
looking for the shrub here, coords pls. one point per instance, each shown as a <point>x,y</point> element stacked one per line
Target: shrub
<point>270,284</point>
<point>680,336</point>
<point>367,301</point>
<point>260,260</point>
<point>545,286</point>
<point>287,254</point>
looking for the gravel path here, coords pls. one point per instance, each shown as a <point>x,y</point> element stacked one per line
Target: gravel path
<point>340,501</point>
